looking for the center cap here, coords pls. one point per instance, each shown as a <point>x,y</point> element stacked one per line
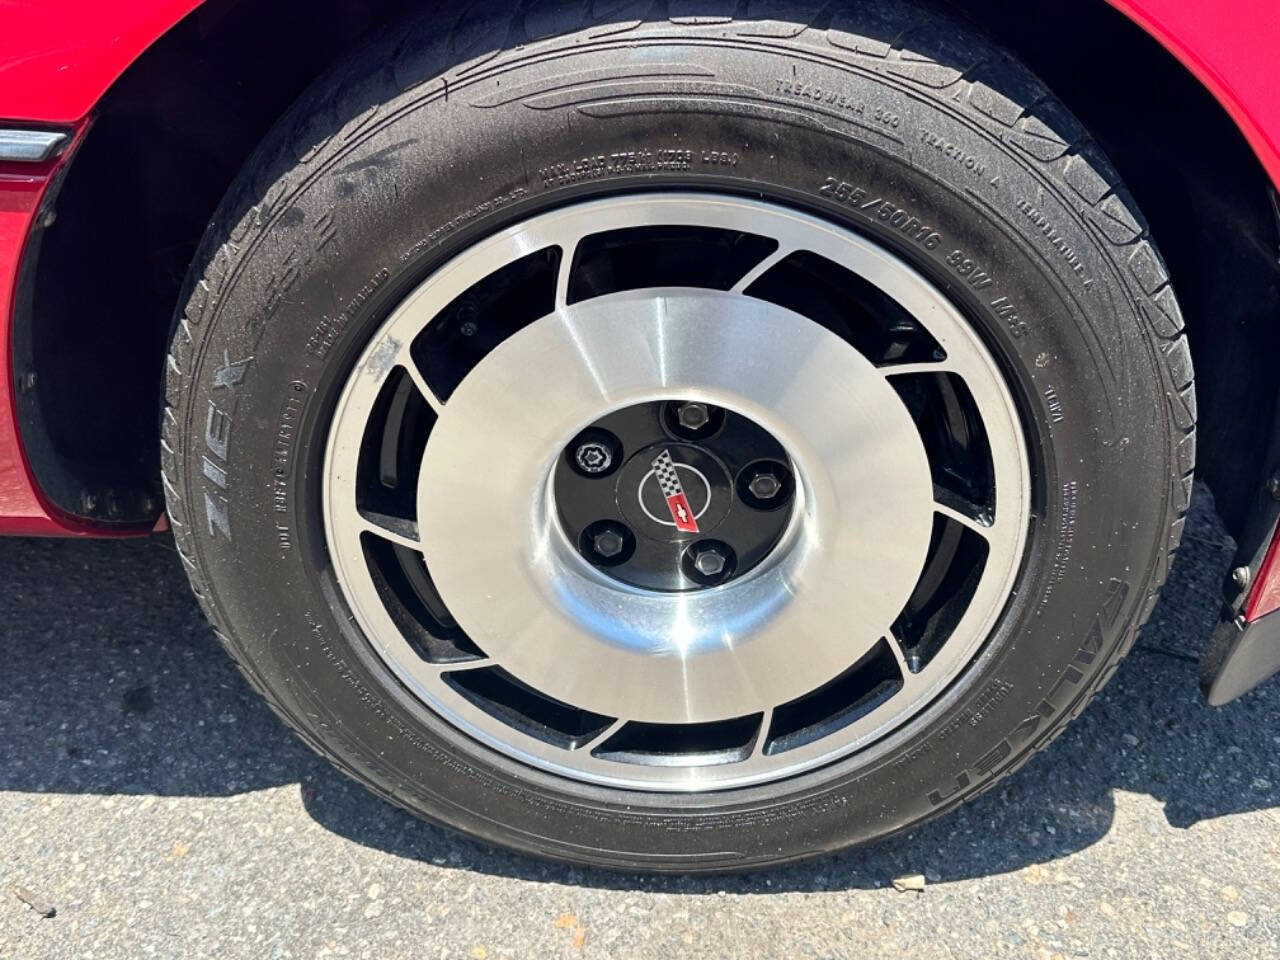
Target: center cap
<point>674,495</point>
<point>674,491</point>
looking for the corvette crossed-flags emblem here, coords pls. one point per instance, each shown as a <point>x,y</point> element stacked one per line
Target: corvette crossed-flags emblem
<point>664,468</point>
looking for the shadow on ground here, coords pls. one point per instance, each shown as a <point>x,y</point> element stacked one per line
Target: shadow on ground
<point>113,684</point>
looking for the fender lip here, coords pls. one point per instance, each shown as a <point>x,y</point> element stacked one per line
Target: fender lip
<point>1242,655</point>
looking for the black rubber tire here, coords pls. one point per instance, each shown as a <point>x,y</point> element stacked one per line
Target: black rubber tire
<point>886,118</point>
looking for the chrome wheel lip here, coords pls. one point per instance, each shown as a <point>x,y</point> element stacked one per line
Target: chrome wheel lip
<point>967,356</point>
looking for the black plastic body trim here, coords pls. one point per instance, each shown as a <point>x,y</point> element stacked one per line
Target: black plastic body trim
<point>1243,655</point>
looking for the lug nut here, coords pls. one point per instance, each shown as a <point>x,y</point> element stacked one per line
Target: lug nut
<point>693,416</point>
<point>764,486</point>
<point>710,563</point>
<point>594,457</point>
<point>709,560</point>
<point>608,543</point>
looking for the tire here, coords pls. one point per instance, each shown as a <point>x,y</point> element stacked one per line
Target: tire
<point>903,130</point>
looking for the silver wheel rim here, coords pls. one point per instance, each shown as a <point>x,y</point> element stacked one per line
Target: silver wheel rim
<point>823,605</point>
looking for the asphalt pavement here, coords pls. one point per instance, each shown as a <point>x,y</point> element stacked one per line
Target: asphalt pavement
<point>157,808</point>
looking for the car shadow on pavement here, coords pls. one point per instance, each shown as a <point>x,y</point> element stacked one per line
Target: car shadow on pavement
<point>114,684</point>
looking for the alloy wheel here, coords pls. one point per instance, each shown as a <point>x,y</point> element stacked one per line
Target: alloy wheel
<point>676,492</point>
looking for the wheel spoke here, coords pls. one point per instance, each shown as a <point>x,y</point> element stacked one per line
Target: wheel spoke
<point>762,736</point>
<point>957,508</point>
<point>603,735</point>
<point>907,369</point>
<point>900,657</point>
<point>761,268</point>
<point>462,666</point>
<point>567,252</point>
<point>401,532</point>
<point>419,381</point>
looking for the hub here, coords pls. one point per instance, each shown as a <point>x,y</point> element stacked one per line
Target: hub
<point>699,494</point>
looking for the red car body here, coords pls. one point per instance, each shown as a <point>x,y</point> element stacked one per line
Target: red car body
<point>59,58</point>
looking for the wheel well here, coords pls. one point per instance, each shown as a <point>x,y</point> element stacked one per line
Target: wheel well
<point>100,284</point>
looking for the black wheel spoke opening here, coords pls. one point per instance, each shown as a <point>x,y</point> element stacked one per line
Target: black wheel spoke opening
<point>391,452</point>
<point>411,599</point>
<point>957,557</point>
<point>855,693</point>
<point>639,257</point>
<point>483,316</point>
<point>955,440</point>
<point>848,305</point>
<point>547,719</point>
<point>682,744</point>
